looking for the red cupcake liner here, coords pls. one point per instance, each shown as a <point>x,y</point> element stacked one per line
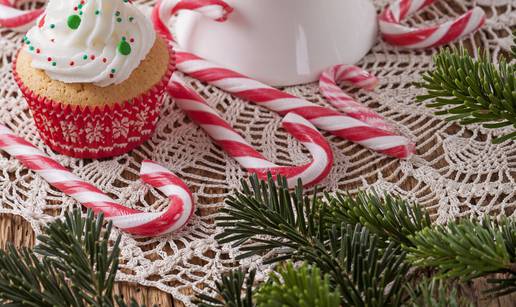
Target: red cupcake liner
<point>97,132</point>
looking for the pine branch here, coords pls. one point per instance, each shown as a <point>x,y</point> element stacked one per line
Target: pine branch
<point>367,274</point>
<point>77,266</point>
<point>298,287</point>
<point>27,281</point>
<point>289,220</point>
<point>263,217</point>
<point>435,293</point>
<point>513,48</point>
<point>82,252</point>
<point>470,249</point>
<point>391,218</point>
<point>472,91</point>
<point>229,291</point>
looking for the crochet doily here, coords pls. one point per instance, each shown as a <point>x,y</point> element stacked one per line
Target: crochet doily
<point>458,171</point>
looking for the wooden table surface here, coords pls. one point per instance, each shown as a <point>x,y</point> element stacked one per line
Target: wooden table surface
<point>15,229</point>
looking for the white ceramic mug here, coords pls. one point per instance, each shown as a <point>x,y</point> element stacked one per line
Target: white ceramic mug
<point>282,42</point>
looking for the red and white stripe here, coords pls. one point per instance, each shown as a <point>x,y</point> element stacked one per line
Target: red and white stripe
<point>238,148</point>
<point>15,19</point>
<point>341,125</point>
<point>343,102</point>
<point>128,220</point>
<point>418,38</point>
<point>164,10</point>
<point>243,87</point>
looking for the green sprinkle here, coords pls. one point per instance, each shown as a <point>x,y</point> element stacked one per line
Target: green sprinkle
<point>124,47</point>
<point>85,57</point>
<point>119,19</point>
<point>80,6</point>
<point>31,48</point>
<point>131,19</point>
<point>74,21</point>
<point>52,26</point>
<point>97,12</point>
<point>117,13</point>
<point>80,12</point>
<point>113,70</point>
<point>54,63</point>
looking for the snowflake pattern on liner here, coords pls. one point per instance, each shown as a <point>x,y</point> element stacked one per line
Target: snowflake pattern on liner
<point>97,132</point>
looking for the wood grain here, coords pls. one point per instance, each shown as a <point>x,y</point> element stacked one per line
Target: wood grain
<point>16,230</point>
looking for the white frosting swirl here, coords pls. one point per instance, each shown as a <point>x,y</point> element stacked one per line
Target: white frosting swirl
<point>90,41</point>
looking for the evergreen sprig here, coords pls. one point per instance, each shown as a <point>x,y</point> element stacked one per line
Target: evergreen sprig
<point>362,242</point>
<point>472,91</point>
<point>266,216</point>
<point>290,221</point>
<point>302,286</point>
<point>73,265</point>
<point>229,291</point>
<point>391,218</point>
<point>470,249</point>
<point>513,47</point>
<point>435,293</point>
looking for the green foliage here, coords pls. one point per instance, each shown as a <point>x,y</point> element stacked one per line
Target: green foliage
<point>435,293</point>
<point>391,218</point>
<point>298,287</point>
<point>77,267</point>
<point>514,46</point>
<point>367,274</point>
<point>290,220</point>
<point>473,91</point>
<point>229,291</point>
<point>469,249</point>
<point>265,216</point>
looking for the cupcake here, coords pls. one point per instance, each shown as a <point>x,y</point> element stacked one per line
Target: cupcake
<point>93,73</point>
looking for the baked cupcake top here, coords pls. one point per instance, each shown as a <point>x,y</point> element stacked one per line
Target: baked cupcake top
<point>90,41</point>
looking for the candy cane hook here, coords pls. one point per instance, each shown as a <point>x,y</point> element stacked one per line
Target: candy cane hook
<point>243,87</point>
<point>128,220</point>
<point>346,104</point>
<point>415,38</point>
<point>15,19</point>
<point>238,148</point>
<point>164,9</point>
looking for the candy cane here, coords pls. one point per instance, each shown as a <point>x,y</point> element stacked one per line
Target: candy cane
<point>345,103</point>
<point>237,147</point>
<point>129,220</point>
<point>215,9</point>
<point>241,86</point>
<point>396,34</point>
<point>283,103</point>
<point>16,19</point>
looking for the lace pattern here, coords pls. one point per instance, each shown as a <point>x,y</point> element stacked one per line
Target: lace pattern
<point>458,171</point>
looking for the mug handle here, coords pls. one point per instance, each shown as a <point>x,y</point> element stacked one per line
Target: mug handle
<point>217,10</point>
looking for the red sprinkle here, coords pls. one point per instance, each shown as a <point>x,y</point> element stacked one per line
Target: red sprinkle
<point>132,40</point>
<point>38,51</point>
<point>41,22</point>
<point>49,59</point>
<point>72,63</point>
<point>75,9</point>
<point>52,40</point>
<point>92,57</point>
<point>104,60</point>
<point>111,76</point>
